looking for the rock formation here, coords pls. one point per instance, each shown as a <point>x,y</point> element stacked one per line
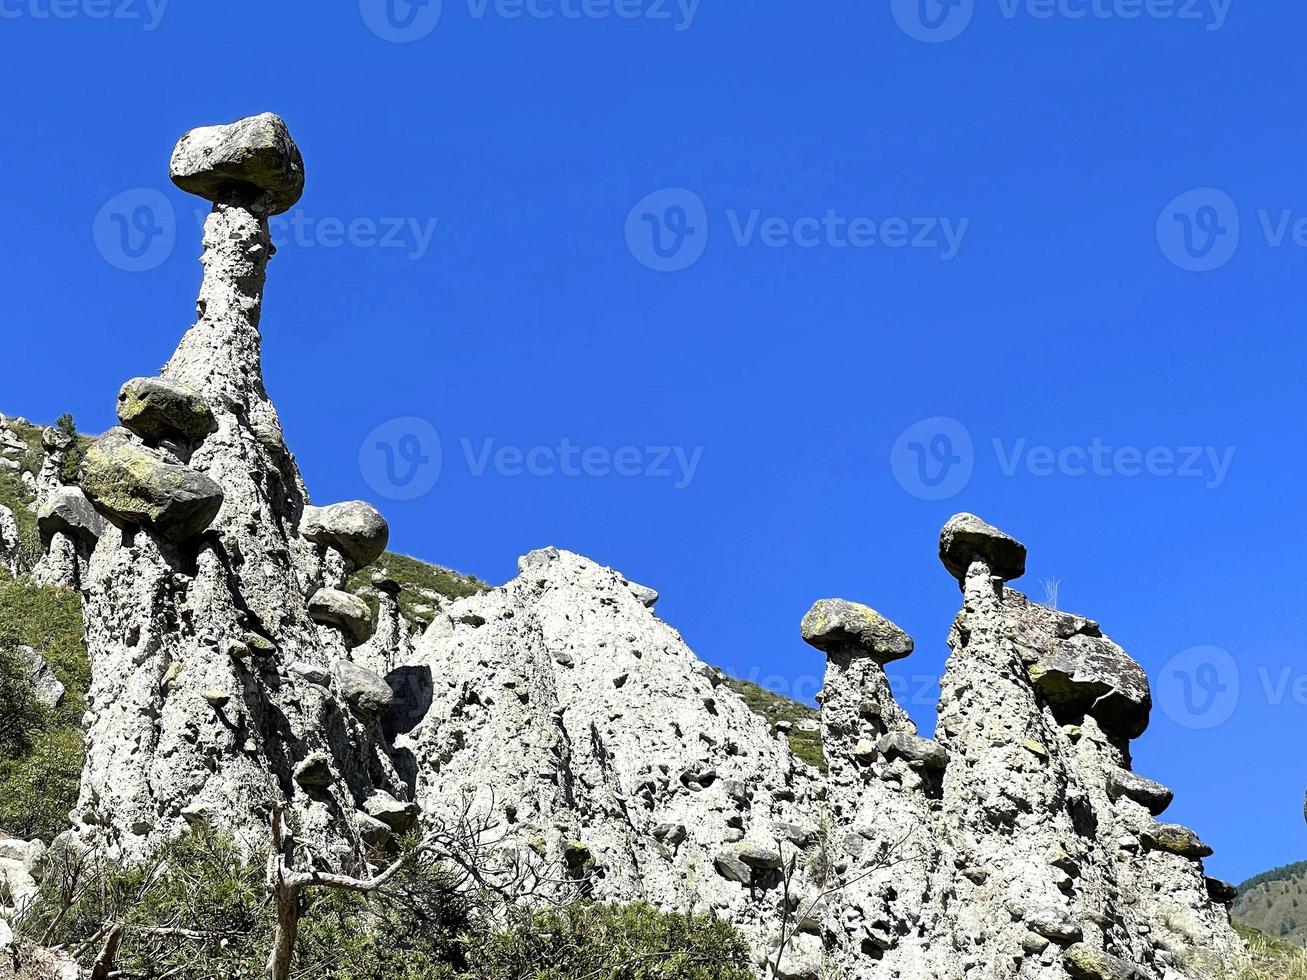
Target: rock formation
<point>234,672</point>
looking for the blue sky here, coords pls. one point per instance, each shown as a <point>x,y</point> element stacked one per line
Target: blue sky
<point>746,300</point>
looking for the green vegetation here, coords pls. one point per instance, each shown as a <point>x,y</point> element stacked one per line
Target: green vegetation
<point>1271,959</point>
<point>775,707</point>
<point>199,910</point>
<point>1275,902</point>
<point>421,584</point>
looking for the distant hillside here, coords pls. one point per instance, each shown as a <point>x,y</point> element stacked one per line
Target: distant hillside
<point>1275,902</point>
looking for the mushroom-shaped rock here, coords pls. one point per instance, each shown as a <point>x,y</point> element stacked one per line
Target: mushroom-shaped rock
<point>252,162</point>
<point>840,626</point>
<point>1175,839</point>
<point>1124,783</point>
<point>1220,890</point>
<point>367,692</point>
<point>913,748</point>
<point>156,410</point>
<point>399,817</point>
<point>56,440</point>
<point>383,582</point>
<point>1084,962</point>
<point>344,611</point>
<point>130,484</point>
<point>1092,675</point>
<point>355,528</point>
<point>966,538</point>
<point>67,511</point>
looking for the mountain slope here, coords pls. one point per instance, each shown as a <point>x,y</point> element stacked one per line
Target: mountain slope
<point>1275,902</point>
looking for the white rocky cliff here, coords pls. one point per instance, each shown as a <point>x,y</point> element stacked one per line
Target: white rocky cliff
<point>233,673</point>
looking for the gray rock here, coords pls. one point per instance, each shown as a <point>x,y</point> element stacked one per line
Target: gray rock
<point>10,540</point>
<point>646,596</point>
<point>46,686</point>
<point>1092,675</point>
<point>356,529</point>
<point>1124,783</point>
<point>344,611</point>
<point>382,582</point>
<point>67,511</point>
<point>840,626</point>
<point>1175,839</point>
<point>398,816</point>
<point>926,751</point>
<point>131,484</point>
<point>671,834</point>
<point>252,162</point>
<point>373,831</point>
<point>1221,890</point>
<point>730,867</point>
<point>966,538</point>
<point>156,410</point>
<point>315,772</point>
<point>1054,923</point>
<point>366,691</point>
<point>1084,962</point>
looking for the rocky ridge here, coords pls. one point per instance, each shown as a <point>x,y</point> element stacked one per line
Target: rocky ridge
<point>234,673</point>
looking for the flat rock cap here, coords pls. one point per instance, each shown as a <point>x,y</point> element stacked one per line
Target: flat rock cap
<point>966,538</point>
<point>354,528</point>
<point>252,161</point>
<point>837,625</point>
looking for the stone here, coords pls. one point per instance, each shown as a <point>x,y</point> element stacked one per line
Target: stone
<point>1054,923</point>
<point>671,834</point>
<point>966,538</point>
<point>131,484</point>
<point>373,831</point>
<point>646,596</point>
<point>157,410</point>
<point>46,686</point>
<point>356,529</point>
<point>730,867</point>
<point>926,751</point>
<point>398,816</point>
<point>1084,962</point>
<point>10,540</point>
<point>315,772</point>
<point>252,162</point>
<point>1175,839</point>
<point>382,582</point>
<point>1153,796</point>
<point>343,611</point>
<point>67,511</point>
<point>1092,675</point>
<point>366,691</point>
<point>1220,890</point>
<point>840,626</point>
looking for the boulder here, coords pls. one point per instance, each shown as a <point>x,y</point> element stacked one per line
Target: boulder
<point>646,596</point>
<point>372,830</point>
<point>385,584</point>
<point>315,772</point>
<point>367,692</point>
<point>929,753</point>
<point>1055,924</point>
<point>1092,675</point>
<point>1175,839</point>
<point>398,816</point>
<point>343,611</point>
<point>46,687</point>
<point>1084,962</point>
<point>130,484</point>
<point>157,410</point>
<point>840,626</point>
<point>252,162</point>
<point>55,440</point>
<point>1220,890</point>
<point>356,529</point>
<point>966,538</point>
<point>1124,783</point>
<point>67,511</point>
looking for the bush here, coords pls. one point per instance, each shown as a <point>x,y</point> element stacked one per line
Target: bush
<point>611,942</point>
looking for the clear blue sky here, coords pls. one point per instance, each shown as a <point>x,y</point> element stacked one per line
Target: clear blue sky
<point>763,306</point>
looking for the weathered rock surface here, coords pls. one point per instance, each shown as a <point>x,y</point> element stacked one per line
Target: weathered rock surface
<point>9,541</point>
<point>156,410</point>
<point>1154,797</point>
<point>46,686</point>
<point>67,511</point>
<point>343,611</point>
<point>966,538</point>
<point>252,162</point>
<point>833,624</point>
<point>131,484</point>
<point>356,529</point>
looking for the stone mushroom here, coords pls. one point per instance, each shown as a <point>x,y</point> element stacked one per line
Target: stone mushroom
<point>355,529</point>
<point>837,625</point>
<point>966,538</point>
<point>252,162</point>
<point>157,410</point>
